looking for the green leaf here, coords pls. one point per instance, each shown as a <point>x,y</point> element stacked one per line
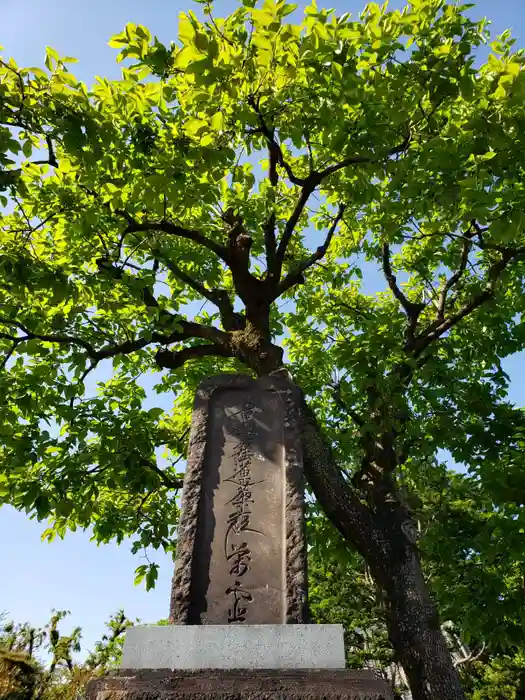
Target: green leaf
<point>140,574</point>
<point>152,576</point>
<point>48,535</point>
<point>217,121</point>
<point>38,72</point>
<point>119,40</point>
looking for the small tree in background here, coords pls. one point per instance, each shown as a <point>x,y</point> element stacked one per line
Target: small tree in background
<point>39,663</point>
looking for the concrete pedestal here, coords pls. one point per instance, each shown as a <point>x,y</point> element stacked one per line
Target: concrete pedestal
<point>239,685</point>
<point>236,662</point>
<point>192,647</point>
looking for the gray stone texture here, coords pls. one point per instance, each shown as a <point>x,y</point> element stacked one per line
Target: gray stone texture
<point>239,685</point>
<point>241,549</point>
<point>192,647</point>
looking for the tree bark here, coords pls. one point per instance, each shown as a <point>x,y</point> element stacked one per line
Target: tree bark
<point>376,532</point>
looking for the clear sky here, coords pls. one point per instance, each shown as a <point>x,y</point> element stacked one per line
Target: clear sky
<point>75,574</point>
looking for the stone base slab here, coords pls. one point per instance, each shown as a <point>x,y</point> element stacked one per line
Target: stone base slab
<point>192,647</point>
<point>239,685</point>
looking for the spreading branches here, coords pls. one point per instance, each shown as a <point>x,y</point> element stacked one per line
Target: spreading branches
<point>411,309</point>
<point>219,297</point>
<point>276,155</point>
<point>296,276</point>
<point>186,330</point>
<point>164,226</point>
<point>438,328</point>
<point>309,186</point>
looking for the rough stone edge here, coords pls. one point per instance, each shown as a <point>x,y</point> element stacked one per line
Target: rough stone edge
<point>188,519</point>
<point>296,606</point>
<point>233,685</point>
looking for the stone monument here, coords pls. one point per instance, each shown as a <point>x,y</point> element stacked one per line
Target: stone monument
<point>239,608</point>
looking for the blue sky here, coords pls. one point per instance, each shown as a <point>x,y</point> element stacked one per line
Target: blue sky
<point>75,574</point>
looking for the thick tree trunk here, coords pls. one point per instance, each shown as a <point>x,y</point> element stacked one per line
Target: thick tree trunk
<point>414,626</point>
<point>377,533</point>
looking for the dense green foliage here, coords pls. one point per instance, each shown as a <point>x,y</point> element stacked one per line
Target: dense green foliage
<point>227,200</point>
<point>500,678</point>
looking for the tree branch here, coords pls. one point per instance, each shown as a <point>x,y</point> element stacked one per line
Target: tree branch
<point>213,295</point>
<point>309,186</point>
<point>51,159</point>
<point>274,155</point>
<point>296,276</point>
<point>391,279</point>
<point>173,360</point>
<point>60,339</point>
<point>181,232</point>
<point>9,353</point>
<point>274,148</point>
<point>338,399</point>
<point>411,309</point>
<point>453,280</point>
<point>135,226</point>
<point>218,297</point>
<point>188,330</point>
<point>82,378</point>
<point>363,160</point>
<point>434,332</point>
<point>471,657</point>
<point>169,483</point>
<point>270,242</point>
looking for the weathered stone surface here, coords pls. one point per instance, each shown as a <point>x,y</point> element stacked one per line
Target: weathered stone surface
<point>241,552</point>
<point>188,647</point>
<point>239,685</point>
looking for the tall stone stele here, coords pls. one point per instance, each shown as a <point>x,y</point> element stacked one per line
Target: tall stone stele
<point>239,606</point>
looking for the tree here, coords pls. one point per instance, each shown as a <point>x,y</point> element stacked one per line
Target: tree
<point>26,675</point>
<point>382,145</point>
<point>499,678</point>
<point>464,559</point>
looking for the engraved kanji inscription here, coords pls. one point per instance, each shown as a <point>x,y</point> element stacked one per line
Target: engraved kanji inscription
<point>241,552</point>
